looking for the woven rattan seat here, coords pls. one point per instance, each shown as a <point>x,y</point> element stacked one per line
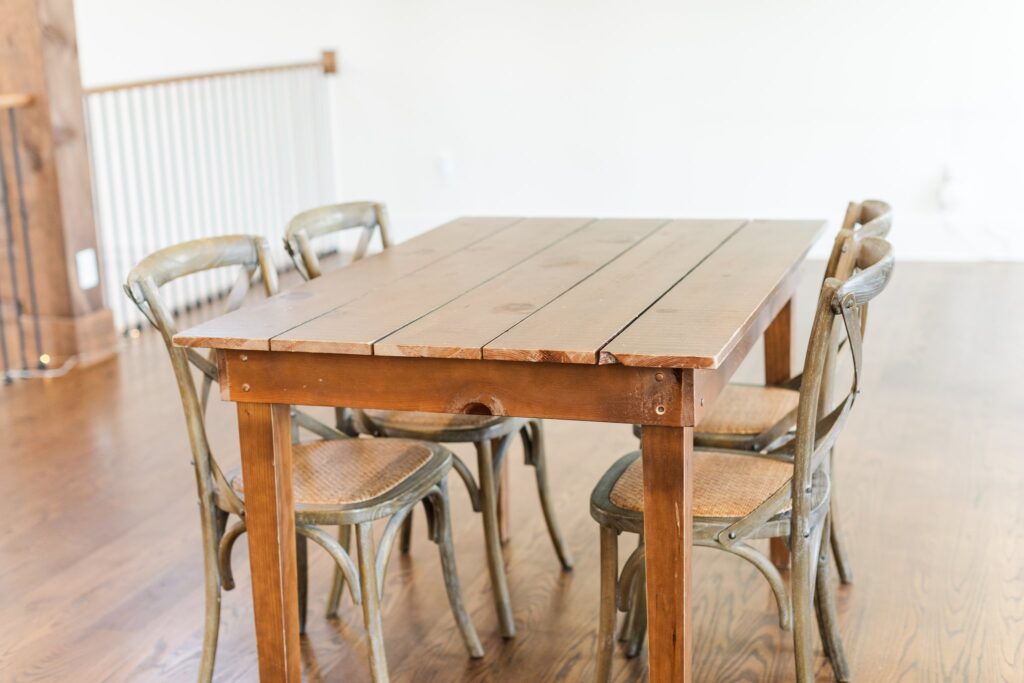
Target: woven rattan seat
<point>428,422</point>
<point>347,471</point>
<point>724,485</point>
<point>749,409</point>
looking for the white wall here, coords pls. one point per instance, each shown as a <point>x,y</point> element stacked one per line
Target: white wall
<point>741,108</point>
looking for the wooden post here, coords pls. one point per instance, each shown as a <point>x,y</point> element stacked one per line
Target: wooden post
<point>39,58</point>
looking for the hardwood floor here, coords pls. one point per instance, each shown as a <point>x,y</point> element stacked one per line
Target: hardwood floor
<point>101,577</point>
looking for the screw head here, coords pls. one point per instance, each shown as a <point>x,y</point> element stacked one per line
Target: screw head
<point>244,357</point>
<point>659,376</point>
<point>660,410</point>
<point>246,387</point>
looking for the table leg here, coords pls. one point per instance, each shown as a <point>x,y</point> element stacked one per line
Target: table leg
<point>778,367</point>
<point>668,534</point>
<point>265,438</point>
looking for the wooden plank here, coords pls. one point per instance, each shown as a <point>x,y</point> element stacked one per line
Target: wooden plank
<point>668,534</point>
<point>698,322</point>
<point>354,327</point>
<point>253,326</point>
<point>462,327</point>
<point>608,393</point>
<point>266,446</point>
<point>708,383</point>
<point>574,327</point>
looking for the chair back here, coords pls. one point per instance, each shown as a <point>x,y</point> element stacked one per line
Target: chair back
<point>250,254</point>
<point>328,220</point>
<point>870,218</point>
<point>840,302</point>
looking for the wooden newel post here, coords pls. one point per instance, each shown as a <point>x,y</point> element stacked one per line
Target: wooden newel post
<point>50,290</point>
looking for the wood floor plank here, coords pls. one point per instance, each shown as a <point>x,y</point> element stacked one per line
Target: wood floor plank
<point>699,321</point>
<point>575,326</point>
<point>252,327</point>
<point>354,327</point>
<point>462,327</point>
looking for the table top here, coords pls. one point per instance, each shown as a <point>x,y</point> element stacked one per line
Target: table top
<point>641,292</point>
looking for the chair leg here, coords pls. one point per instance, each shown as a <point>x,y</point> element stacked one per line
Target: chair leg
<point>504,494</point>
<point>405,542</point>
<point>638,610</point>
<point>451,575</point>
<point>338,585</point>
<point>371,602</point>
<point>495,561</point>
<point>211,623</point>
<point>302,578</point>
<point>343,421</point>
<point>838,549</point>
<point>628,627</point>
<point>802,561</point>
<point>533,442</point>
<point>828,624</point>
<point>606,623</point>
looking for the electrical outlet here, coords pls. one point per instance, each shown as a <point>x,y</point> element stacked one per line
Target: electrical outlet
<point>87,268</point>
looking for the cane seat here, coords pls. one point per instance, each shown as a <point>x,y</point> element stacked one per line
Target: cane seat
<point>348,471</point>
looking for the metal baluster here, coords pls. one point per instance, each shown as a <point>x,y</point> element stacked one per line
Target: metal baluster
<point>206,282</point>
<point>230,155</point>
<point>130,254</point>
<point>190,208</point>
<point>243,117</point>
<point>269,170</point>
<point>174,146</point>
<point>325,140</point>
<point>214,178</point>
<point>306,134</point>
<point>257,165</point>
<point>227,153</point>
<point>138,133</point>
<point>110,216</point>
<point>285,140</point>
<point>11,261</point>
<point>110,284</point>
<point>156,199</point>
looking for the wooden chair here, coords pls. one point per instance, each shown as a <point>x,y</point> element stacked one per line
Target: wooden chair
<point>369,217</point>
<point>742,495</point>
<point>755,417</point>
<point>338,480</point>
<point>491,435</point>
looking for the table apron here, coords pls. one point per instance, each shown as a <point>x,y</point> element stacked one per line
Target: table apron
<point>598,393</point>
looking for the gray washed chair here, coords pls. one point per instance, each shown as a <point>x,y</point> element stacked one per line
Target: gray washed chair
<point>490,435</point>
<point>744,495</point>
<point>755,417</point>
<point>339,480</point>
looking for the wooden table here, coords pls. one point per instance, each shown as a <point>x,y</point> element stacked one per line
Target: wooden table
<point>618,320</point>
